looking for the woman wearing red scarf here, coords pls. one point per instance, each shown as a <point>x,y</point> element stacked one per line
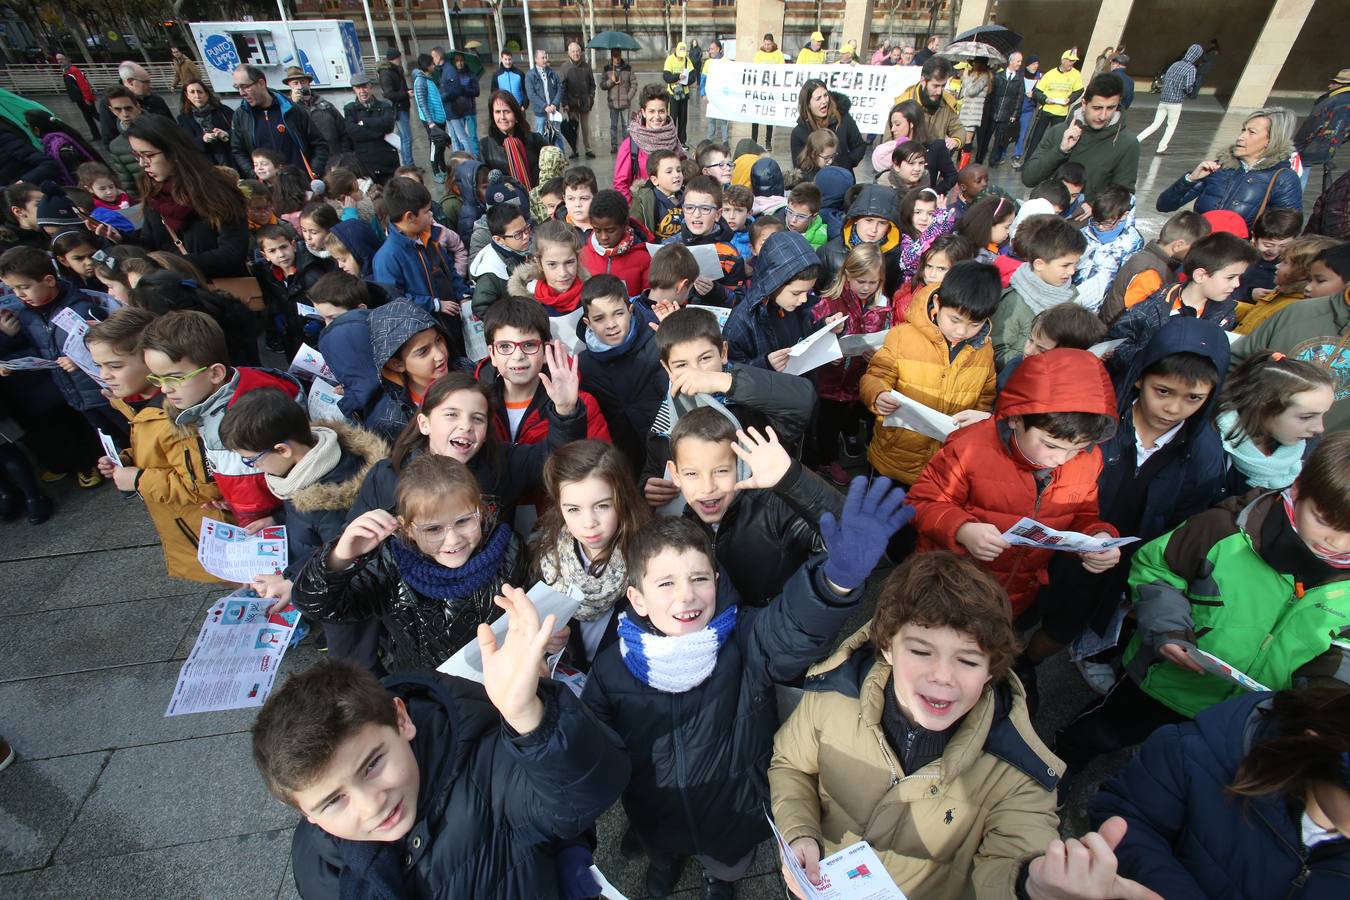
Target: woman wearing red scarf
<point>510,146</point>
<point>553,276</point>
<point>190,208</point>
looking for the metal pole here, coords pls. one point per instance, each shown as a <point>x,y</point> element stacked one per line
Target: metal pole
<point>286,23</point>
<point>370,25</point>
<point>445,7</point>
<point>529,35</point>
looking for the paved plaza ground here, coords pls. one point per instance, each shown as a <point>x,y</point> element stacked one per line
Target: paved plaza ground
<point>110,799</point>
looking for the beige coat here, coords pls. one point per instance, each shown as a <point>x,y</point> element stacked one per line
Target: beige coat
<point>961,826</point>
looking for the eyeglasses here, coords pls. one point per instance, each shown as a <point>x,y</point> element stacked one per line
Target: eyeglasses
<point>792,216</point>
<point>251,462</point>
<point>520,235</point>
<point>700,209</point>
<point>826,158</point>
<point>433,532</point>
<point>245,86</point>
<point>170,382</point>
<point>724,164</point>
<point>146,158</point>
<point>507,348</point>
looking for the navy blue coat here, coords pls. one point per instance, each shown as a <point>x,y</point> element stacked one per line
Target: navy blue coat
<point>754,330</point>
<point>39,337</point>
<point>1189,840</point>
<point>459,90</point>
<point>628,383</point>
<point>345,345</point>
<point>1238,190</point>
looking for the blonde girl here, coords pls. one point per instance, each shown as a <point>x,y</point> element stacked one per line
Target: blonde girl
<point>1270,413</point>
<point>577,549</point>
<point>1291,282</point>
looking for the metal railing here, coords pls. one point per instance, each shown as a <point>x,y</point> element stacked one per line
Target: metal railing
<point>48,79</point>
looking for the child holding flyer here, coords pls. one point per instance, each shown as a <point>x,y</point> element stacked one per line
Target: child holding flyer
<point>165,465</point>
<point>1259,585</point>
<point>776,312</point>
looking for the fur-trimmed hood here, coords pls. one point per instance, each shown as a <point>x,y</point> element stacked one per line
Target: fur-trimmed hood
<point>366,447</point>
<point>518,285</point>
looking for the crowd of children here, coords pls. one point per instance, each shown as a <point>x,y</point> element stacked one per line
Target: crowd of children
<point>602,390</point>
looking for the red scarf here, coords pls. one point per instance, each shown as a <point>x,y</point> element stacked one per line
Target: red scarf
<point>174,214</point>
<point>517,161</point>
<point>630,239</point>
<point>1289,497</point>
<point>559,303</point>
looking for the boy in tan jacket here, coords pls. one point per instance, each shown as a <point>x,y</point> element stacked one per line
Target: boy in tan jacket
<point>915,737</point>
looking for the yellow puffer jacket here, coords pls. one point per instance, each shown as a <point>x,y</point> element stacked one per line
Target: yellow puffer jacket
<point>1251,314</point>
<point>915,361</point>
<point>174,483</point>
<point>961,826</point>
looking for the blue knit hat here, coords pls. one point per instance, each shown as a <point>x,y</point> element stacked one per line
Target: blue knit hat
<point>783,256</point>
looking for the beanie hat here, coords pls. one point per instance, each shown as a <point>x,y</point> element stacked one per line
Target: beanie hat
<point>55,207</point>
<point>507,190</point>
<point>392,54</point>
<point>783,256</point>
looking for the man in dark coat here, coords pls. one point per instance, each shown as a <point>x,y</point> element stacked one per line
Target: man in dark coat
<point>326,117</point>
<point>394,86</point>
<point>1009,90</point>
<point>579,97</point>
<point>267,119</point>
<point>368,120</point>
<point>80,92</point>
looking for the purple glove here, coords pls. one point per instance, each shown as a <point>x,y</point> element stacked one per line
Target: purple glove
<point>856,541</point>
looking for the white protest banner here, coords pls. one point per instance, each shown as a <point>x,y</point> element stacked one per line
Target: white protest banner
<point>746,92</point>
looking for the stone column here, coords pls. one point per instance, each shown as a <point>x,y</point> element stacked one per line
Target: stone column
<point>973,13</point>
<point>1268,56</point>
<point>857,28</point>
<point>754,20</point>
<point>1108,31</point>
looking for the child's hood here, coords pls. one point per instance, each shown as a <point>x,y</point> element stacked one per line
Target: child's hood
<point>364,449</point>
<point>879,202</point>
<point>1060,380</point>
<point>766,178</point>
<point>392,325</point>
<point>834,182</point>
<point>241,380</point>
<point>360,240</point>
<point>1179,334</point>
<point>466,174</point>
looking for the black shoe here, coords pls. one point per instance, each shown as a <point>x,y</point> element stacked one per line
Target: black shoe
<point>717,890</point>
<point>629,845</point>
<point>11,507</point>
<point>590,154</point>
<point>39,510</point>
<point>661,879</point>
<point>573,155</point>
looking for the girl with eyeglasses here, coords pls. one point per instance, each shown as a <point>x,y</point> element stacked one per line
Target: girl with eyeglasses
<point>820,150</point>
<point>429,570</point>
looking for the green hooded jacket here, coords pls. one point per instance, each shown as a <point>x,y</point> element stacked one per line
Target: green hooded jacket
<point>1110,155</point>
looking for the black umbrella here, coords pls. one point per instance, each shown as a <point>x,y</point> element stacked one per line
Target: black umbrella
<point>1002,39</point>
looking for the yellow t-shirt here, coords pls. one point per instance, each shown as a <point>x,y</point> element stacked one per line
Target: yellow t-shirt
<point>1058,87</point>
<point>809,57</point>
<point>773,59</point>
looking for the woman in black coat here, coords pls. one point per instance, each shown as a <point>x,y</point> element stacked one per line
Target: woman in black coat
<point>818,107</point>
<point>190,208</point>
<point>507,128</point>
<point>206,121</point>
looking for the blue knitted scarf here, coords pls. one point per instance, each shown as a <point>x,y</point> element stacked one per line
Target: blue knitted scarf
<point>674,663</point>
<point>431,579</point>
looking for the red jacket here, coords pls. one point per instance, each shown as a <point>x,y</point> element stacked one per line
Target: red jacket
<point>978,477</point>
<point>534,426</point>
<point>632,266</point>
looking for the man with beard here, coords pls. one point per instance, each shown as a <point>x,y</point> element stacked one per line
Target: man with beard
<point>940,116</point>
<point>1094,137</point>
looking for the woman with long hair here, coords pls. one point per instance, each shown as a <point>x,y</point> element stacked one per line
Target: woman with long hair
<point>61,142</point>
<point>1252,799</point>
<point>819,107</point>
<point>905,122</point>
<point>976,86</point>
<point>206,121</point>
<point>1250,177</point>
<point>189,206</point>
<point>510,146</point>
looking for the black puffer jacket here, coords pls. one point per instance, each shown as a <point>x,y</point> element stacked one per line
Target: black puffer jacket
<point>421,632</point>
<point>490,803</point>
<point>219,252</point>
<point>367,124</point>
<point>852,147</point>
<point>700,758</point>
<point>628,383</point>
<point>766,535</point>
<point>216,117</point>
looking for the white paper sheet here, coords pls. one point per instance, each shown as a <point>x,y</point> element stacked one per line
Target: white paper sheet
<point>1105,347</point>
<point>916,416</point>
<point>854,873</point>
<point>468,662</point>
<point>232,554</point>
<point>817,349</point>
<point>309,361</point>
<point>236,657</point>
<point>306,311</point>
<point>135,214</point>
<point>323,402</point>
<point>674,507</point>
<point>109,448</point>
<point>564,328</point>
<point>475,344</point>
<point>709,263</point>
<point>858,344</point>
<point>1027,532</point>
<point>76,328</point>
<point>607,890</point>
<point>721,312</point>
<point>1215,666</point>
<point>1234,337</point>
<point>28,364</point>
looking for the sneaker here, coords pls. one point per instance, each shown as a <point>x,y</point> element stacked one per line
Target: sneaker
<point>39,510</point>
<point>440,177</point>
<point>851,446</point>
<point>717,890</point>
<point>1100,676</point>
<point>1017,163</point>
<point>590,154</point>
<point>11,507</point>
<point>837,474</point>
<point>1160,152</point>
<point>90,479</point>
<point>51,477</point>
<point>7,753</point>
<point>573,155</point>
<point>662,878</point>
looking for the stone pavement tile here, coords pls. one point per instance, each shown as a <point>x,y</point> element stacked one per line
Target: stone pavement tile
<point>233,867</point>
<point>29,585</point>
<point>287,890</point>
<point>110,576</point>
<point>77,640</point>
<point>165,794</point>
<point>41,797</point>
<point>194,626</point>
<point>104,709</point>
<point>74,528</point>
<point>20,885</point>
